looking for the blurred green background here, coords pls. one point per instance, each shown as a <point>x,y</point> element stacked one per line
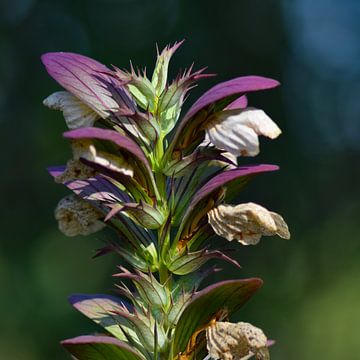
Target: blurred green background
<point>310,302</point>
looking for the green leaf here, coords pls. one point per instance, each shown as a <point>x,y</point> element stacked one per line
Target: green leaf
<point>100,348</point>
<point>226,295</point>
<point>102,310</point>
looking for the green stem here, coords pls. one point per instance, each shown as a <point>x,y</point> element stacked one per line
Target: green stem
<point>159,148</point>
<point>163,274</point>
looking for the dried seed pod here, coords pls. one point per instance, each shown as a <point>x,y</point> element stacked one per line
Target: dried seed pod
<point>246,223</point>
<point>75,169</point>
<point>77,217</point>
<point>228,341</point>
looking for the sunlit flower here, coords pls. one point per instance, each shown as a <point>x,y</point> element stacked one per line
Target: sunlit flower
<point>237,131</point>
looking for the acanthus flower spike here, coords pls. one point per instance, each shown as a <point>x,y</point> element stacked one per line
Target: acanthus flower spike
<point>161,182</point>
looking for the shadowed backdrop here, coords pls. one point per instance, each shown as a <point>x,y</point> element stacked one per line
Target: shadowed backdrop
<point>310,299</point>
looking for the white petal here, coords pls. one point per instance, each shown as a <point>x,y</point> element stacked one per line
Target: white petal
<point>110,161</point>
<point>281,227</point>
<point>246,223</point>
<point>260,122</point>
<point>86,150</point>
<point>218,163</point>
<point>75,112</point>
<point>236,131</point>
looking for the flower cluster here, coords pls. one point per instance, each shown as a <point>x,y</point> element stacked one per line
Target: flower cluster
<point>163,184</point>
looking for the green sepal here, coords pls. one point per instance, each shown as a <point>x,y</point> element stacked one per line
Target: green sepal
<point>141,213</point>
<point>189,262</point>
<point>145,215</point>
<point>147,125</point>
<point>150,255</point>
<point>143,259</point>
<point>169,117</point>
<point>144,328</point>
<point>181,167</point>
<point>159,77</point>
<point>183,291</point>
<point>150,290</point>
<point>140,87</point>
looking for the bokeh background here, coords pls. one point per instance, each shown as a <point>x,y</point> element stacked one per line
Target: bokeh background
<point>310,302</point>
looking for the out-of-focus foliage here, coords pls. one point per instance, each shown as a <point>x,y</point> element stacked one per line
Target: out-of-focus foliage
<point>309,302</point>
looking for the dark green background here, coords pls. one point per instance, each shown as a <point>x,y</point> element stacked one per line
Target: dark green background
<point>311,297</point>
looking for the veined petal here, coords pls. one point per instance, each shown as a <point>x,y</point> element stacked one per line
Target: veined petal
<point>76,113</point>
<point>230,341</point>
<point>246,223</point>
<point>130,150</point>
<point>77,217</point>
<point>124,143</point>
<point>237,131</point>
<point>237,86</point>
<point>239,103</point>
<point>98,190</point>
<point>217,98</point>
<point>88,80</point>
<point>226,177</point>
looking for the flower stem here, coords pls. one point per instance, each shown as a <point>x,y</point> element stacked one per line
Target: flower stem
<point>163,274</point>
